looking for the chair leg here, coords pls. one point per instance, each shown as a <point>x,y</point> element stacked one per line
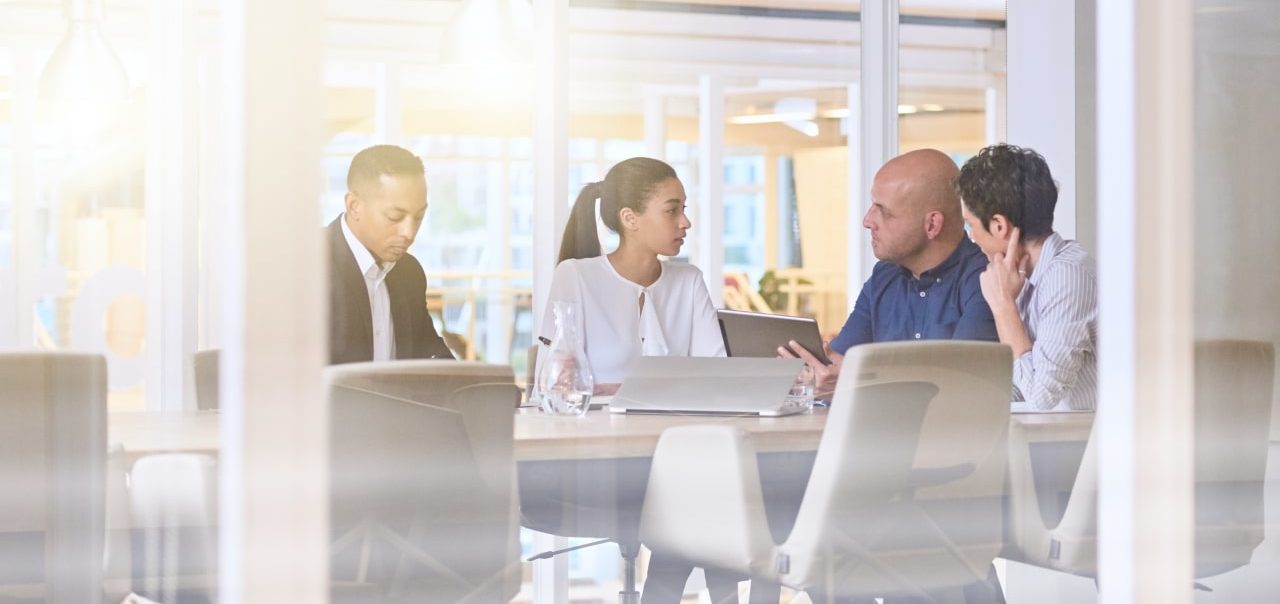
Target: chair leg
<point>628,551</point>
<point>820,597</point>
<point>985,592</point>
<point>722,586</point>
<point>764,592</point>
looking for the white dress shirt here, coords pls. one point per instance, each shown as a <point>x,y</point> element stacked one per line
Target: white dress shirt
<point>375,280</point>
<point>677,319</point>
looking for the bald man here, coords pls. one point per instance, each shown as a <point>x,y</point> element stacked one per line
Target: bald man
<point>926,285</point>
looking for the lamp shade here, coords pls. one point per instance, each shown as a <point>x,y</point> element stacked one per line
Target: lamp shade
<point>83,68</point>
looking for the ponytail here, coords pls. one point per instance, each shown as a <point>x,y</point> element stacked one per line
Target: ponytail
<point>580,237</point>
<point>627,185</point>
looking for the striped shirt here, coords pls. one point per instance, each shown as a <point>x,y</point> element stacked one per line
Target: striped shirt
<point>1059,306</point>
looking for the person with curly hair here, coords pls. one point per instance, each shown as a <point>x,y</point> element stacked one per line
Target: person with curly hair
<point>1042,288</point>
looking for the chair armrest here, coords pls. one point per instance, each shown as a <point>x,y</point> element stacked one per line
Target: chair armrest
<point>704,501</point>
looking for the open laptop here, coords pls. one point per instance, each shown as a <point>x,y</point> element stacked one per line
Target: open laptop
<point>754,334</point>
<point>708,385</point>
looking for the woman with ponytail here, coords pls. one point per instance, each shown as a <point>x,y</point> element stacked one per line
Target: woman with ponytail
<point>635,304</point>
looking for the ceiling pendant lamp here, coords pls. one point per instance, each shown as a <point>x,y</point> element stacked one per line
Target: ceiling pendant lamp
<point>84,81</point>
<point>490,32</point>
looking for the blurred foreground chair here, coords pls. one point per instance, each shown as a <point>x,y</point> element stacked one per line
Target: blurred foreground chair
<point>1233,391</point>
<point>174,517</point>
<point>422,481</point>
<point>52,463</point>
<point>905,498</point>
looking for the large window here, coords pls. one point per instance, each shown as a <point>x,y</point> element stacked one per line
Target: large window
<point>744,220</point>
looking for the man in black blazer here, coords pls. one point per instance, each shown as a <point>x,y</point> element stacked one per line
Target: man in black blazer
<point>377,289</point>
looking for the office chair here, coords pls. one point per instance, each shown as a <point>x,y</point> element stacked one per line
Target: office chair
<point>1233,393</point>
<point>52,464</point>
<point>205,368</point>
<point>422,480</point>
<point>593,499</point>
<point>905,498</point>
<point>118,559</point>
<point>174,518</point>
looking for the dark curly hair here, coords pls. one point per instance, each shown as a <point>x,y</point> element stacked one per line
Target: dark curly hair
<point>1011,181</point>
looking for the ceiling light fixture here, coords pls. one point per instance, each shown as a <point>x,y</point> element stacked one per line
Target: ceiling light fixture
<point>771,118</point>
<point>490,32</point>
<point>84,80</point>
<point>83,64</point>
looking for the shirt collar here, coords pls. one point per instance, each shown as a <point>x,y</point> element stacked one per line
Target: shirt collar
<point>1052,245</point>
<point>934,274</point>
<point>364,259</point>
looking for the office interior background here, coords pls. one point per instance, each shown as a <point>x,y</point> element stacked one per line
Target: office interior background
<point>166,166</point>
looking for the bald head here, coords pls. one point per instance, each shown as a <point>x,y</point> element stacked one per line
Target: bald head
<point>925,179</point>
<point>915,217</point>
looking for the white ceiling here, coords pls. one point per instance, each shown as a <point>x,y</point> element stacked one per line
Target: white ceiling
<point>616,55</point>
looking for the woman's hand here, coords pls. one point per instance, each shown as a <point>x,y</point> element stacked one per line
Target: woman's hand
<point>1006,274</point>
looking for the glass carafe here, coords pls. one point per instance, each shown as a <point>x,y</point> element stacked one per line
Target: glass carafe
<point>564,381</point>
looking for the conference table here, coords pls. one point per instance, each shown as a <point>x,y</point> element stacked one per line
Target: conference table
<point>539,437</point>
<point>606,456</point>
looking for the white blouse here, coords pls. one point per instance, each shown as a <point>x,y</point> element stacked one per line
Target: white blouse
<point>678,318</point>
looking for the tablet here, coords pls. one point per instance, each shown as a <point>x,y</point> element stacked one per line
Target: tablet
<point>753,334</point>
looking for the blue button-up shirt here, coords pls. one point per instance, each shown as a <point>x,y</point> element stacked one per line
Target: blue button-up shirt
<point>945,303</point>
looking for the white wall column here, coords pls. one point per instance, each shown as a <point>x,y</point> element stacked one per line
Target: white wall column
<point>1086,117</point>
<point>710,200</point>
<point>994,114</point>
<point>389,105</point>
<point>274,422</point>
<point>15,325</point>
<point>859,244</point>
<point>210,225</point>
<point>655,124</point>
<point>1145,405</point>
<point>171,202</point>
<point>1044,92</point>
<point>878,121</point>
<point>550,213</point>
<point>550,142</point>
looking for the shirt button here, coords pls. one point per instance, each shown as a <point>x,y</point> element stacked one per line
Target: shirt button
<point>921,294</point>
<point>938,280</point>
<point>917,336</point>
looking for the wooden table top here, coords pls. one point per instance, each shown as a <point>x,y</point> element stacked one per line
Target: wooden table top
<point>597,435</point>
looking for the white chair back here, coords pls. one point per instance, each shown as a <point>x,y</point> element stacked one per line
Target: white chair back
<point>1234,390</point>
<point>204,366</point>
<point>907,487</point>
<point>52,461</point>
<point>1233,395</point>
<point>174,503</point>
<point>423,449</point>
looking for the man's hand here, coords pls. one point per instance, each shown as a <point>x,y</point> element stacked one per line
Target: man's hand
<point>1005,274</point>
<point>824,376</point>
<point>606,389</point>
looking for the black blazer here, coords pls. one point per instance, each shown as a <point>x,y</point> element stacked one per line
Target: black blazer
<point>351,320</point>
